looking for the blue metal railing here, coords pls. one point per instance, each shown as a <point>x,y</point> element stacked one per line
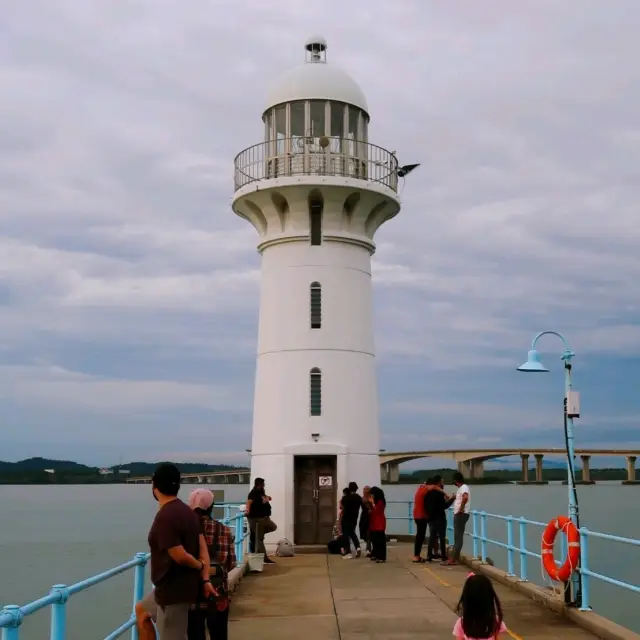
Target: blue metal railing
<point>481,541</point>
<point>12,616</point>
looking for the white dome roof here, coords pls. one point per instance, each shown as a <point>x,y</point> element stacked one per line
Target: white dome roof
<point>317,80</point>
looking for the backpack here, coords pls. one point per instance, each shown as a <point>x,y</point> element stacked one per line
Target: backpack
<point>284,548</point>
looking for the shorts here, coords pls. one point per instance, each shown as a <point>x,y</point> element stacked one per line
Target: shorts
<point>171,621</point>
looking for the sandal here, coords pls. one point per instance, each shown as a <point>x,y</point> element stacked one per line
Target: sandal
<point>420,561</point>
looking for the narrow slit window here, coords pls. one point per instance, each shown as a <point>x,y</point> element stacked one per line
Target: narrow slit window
<point>315,392</point>
<point>315,222</point>
<point>315,304</point>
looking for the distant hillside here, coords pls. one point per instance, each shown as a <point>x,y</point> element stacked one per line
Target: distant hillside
<point>37,471</point>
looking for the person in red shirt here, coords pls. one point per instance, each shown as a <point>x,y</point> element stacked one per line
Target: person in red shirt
<point>420,518</point>
<point>378,525</point>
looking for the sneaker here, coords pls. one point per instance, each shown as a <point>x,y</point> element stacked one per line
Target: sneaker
<point>348,556</point>
<point>269,561</point>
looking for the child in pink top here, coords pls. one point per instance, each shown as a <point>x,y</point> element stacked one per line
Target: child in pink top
<point>479,610</point>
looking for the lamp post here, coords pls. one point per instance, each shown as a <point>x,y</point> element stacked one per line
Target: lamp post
<point>571,411</point>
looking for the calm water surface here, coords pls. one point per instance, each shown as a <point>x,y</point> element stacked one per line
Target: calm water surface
<point>62,534</point>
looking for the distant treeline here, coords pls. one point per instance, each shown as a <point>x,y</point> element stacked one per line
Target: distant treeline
<point>502,476</point>
<point>34,471</point>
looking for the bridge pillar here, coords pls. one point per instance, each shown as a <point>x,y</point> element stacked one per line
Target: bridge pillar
<point>631,471</point>
<point>390,472</point>
<point>465,468</point>
<point>525,467</point>
<point>539,457</point>
<point>476,468</point>
<point>586,470</point>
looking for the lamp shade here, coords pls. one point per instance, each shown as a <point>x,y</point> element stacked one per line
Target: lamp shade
<point>533,364</point>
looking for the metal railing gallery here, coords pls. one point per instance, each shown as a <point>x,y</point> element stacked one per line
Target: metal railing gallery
<point>12,616</point>
<point>481,541</point>
<point>326,156</point>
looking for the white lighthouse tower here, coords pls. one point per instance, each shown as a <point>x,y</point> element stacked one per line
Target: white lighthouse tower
<point>316,190</point>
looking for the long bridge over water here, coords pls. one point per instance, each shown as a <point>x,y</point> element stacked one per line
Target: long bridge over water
<point>469,461</point>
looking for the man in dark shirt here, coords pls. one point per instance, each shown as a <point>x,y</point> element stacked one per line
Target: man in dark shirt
<point>351,505</point>
<point>258,512</point>
<point>179,563</point>
<point>436,503</point>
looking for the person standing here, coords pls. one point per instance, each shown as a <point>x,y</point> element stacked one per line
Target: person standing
<point>436,504</point>
<point>461,510</point>
<point>179,562</point>
<point>351,505</point>
<point>363,525</point>
<point>420,518</point>
<point>258,512</point>
<point>378,525</point>
<point>213,612</point>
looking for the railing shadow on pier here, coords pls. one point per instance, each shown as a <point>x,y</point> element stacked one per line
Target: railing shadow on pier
<point>12,616</point>
<point>483,526</point>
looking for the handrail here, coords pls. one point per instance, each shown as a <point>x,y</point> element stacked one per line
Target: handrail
<point>326,156</point>
<point>12,616</point>
<point>480,541</point>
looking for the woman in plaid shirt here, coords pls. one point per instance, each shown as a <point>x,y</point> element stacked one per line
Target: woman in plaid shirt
<point>213,614</point>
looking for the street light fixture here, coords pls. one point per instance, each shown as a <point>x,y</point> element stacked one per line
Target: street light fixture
<point>571,411</point>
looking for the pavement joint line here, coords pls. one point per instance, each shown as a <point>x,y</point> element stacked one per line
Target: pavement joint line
<point>510,633</point>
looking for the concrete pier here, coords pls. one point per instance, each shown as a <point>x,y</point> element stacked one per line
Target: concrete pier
<point>320,597</point>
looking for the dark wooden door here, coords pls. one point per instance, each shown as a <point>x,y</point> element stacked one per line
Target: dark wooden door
<point>315,499</point>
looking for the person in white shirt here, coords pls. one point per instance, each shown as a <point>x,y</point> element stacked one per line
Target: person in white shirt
<point>461,509</point>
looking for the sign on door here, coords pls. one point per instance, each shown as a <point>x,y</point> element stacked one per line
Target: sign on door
<point>325,481</point>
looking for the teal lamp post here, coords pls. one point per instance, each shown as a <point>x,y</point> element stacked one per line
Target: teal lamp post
<point>571,411</point>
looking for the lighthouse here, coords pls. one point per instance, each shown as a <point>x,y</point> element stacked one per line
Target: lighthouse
<point>316,190</point>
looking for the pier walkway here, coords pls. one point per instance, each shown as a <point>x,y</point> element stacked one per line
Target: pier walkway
<point>323,597</point>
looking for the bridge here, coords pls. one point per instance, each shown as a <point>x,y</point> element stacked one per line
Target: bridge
<point>471,461</point>
<point>234,476</point>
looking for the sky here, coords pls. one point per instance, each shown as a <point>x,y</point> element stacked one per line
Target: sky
<point>129,290</point>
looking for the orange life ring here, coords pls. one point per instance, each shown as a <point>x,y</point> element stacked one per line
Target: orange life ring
<point>563,573</point>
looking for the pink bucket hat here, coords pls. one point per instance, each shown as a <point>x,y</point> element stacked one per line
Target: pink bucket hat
<point>201,499</point>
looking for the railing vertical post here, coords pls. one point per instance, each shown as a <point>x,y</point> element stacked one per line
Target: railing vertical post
<point>12,632</point>
<point>510,547</point>
<point>138,587</point>
<point>238,539</point>
<point>227,513</point>
<point>483,535</point>
<point>523,549</point>
<point>410,516</point>
<point>584,569</point>
<point>59,613</point>
<point>474,533</point>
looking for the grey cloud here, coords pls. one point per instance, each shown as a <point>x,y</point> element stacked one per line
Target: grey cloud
<point>119,124</point>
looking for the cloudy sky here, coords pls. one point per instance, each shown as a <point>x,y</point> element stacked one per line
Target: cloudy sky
<point>129,289</point>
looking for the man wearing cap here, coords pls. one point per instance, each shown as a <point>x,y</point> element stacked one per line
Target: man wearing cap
<point>213,613</point>
<point>179,562</point>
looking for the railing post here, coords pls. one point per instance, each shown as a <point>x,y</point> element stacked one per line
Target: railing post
<point>510,547</point>
<point>523,550</point>
<point>584,568</point>
<point>239,541</point>
<point>410,516</point>
<point>12,632</point>
<point>227,513</point>
<point>138,587</point>
<point>483,535</point>
<point>474,533</point>
<point>59,612</point>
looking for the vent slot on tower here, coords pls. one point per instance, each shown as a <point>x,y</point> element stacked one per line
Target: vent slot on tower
<point>315,305</point>
<point>315,221</point>
<point>315,392</point>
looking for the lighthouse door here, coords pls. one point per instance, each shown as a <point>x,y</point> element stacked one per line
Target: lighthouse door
<point>315,506</point>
